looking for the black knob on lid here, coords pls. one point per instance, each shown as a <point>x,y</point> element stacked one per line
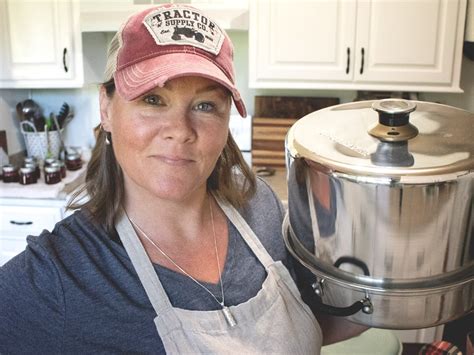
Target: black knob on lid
<point>394,125</point>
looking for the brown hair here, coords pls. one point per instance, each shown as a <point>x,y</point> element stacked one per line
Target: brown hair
<point>104,183</point>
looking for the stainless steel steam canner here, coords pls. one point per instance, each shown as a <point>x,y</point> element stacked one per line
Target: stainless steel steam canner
<point>381,210</point>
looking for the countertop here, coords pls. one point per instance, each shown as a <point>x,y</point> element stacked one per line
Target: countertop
<point>41,190</point>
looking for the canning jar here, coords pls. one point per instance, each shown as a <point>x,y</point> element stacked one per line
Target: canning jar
<point>33,166</point>
<point>10,173</point>
<point>52,174</point>
<point>28,175</point>
<point>73,161</point>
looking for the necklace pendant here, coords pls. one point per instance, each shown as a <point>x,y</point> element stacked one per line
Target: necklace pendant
<point>229,317</point>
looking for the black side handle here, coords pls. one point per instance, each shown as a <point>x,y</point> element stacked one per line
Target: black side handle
<point>348,60</point>
<point>362,305</point>
<point>354,261</point>
<point>362,52</point>
<point>64,60</point>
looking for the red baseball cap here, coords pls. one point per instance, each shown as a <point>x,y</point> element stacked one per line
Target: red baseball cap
<point>167,42</point>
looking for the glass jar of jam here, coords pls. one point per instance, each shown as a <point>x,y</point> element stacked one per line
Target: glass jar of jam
<point>73,161</point>
<point>52,174</point>
<point>28,176</point>
<point>35,167</point>
<point>10,173</point>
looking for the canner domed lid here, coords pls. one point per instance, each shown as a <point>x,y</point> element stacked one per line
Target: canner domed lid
<point>399,139</point>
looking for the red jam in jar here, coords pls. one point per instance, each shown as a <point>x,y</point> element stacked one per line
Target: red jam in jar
<point>28,176</point>
<point>73,161</point>
<point>10,173</point>
<point>52,174</point>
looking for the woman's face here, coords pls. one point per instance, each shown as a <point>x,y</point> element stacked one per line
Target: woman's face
<point>168,140</point>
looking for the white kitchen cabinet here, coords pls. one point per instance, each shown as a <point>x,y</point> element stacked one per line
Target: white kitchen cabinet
<point>20,218</point>
<point>393,45</point>
<point>108,15</point>
<point>40,44</point>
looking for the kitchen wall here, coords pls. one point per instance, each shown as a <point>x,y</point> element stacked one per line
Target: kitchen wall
<point>85,100</point>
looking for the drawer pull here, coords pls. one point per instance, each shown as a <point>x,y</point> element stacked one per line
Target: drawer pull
<point>27,223</point>
<point>362,52</point>
<point>348,60</point>
<point>64,60</point>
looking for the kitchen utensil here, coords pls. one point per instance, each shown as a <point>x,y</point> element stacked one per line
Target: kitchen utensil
<point>57,125</point>
<point>48,151</point>
<point>32,112</point>
<point>381,210</point>
<point>63,114</point>
<point>30,109</point>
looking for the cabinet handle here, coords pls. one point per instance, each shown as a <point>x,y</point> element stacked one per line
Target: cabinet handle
<point>64,60</point>
<point>348,60</point>
<point>27,223</point>
<point>362,52</point>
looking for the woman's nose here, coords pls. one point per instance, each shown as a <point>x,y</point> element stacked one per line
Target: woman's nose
<point>178,126</point>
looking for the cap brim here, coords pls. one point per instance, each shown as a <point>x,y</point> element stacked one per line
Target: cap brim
<point>139,78</point>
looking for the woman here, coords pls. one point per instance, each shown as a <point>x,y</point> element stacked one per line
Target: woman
<point>178,248</point>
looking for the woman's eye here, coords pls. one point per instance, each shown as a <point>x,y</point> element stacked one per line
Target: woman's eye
<point>152,100</point>
<point>205,106</point>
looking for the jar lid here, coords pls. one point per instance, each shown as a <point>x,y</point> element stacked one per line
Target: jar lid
<point>29,160</point>
<point>27,170</point>
<point>8,168</point>
<point>389,138</point>
<point>73,156</point>
<point>52,168</point>
<point>30,165</point>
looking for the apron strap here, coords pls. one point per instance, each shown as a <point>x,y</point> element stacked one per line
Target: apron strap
<point>142,264</point>
<point>246,232</point>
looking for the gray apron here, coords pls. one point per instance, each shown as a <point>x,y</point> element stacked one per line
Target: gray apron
<point>276,320</point>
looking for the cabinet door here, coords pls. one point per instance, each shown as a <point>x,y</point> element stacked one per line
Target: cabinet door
<point>301,42</point>
<point>406,41</point>
<point>40,43</point>
<point>17,222</point>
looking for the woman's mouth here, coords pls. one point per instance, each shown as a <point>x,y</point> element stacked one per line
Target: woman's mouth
<point>173,160</point>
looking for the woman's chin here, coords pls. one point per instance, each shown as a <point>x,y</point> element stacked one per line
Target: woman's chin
<point>177,192</point>
<point>165,187</point>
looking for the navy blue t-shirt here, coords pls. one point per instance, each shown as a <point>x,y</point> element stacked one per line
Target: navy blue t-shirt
<point>74,290</point>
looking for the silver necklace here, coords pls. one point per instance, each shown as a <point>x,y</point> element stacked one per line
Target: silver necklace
<point>225,310</point>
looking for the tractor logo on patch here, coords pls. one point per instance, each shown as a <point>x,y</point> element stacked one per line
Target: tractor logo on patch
<point>188,32</point>
<point>184,26</point>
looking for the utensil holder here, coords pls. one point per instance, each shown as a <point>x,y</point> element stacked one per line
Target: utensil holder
<point>37,143</point>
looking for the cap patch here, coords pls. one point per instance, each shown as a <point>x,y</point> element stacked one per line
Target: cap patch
<point>184,26</point>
